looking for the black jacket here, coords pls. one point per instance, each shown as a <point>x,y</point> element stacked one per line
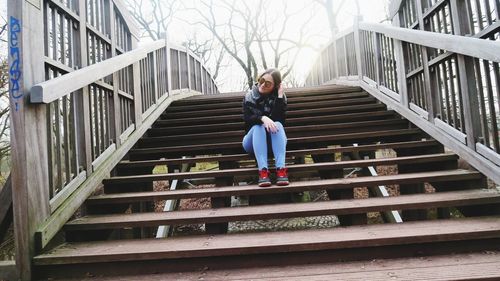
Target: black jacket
<point>256,105</point>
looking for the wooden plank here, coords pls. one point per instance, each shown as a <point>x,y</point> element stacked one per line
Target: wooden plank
<point>294,113</point>
<point>53,89</point>
<point>431,158</point>
<point>292,102</point>
<point>291,108</point>
<point>332,139</point>
<point>307,240</point>
<point>303,114</point>
<point>317,91</point>
<point>291,132</point>
<point>466,266</point>
<point>283,211</point>
<point>59,198</point>
<point>291,153</point>
<point>329,184</point>
<point>166,127</point>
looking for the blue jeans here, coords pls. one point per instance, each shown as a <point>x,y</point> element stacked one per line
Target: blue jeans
<point>256,142</point>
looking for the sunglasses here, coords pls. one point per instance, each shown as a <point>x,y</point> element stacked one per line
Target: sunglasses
<point>266,83</point>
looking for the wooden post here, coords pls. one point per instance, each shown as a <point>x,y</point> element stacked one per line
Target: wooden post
<point>188,56</point>
<point>116,124</point>
<point>156,93</point>
<point>82,101</point>
<point>179,69</point>
<point>378,58</point>
<point>400,66</point>
<point>345,220</point>
<point>430,92</point>
<point>357,46</point>
<point>221,202</point>
<point>169,69</point>
<point>202,79</point>
<point>468,89</point>
<point>136,70</point>
<point>28,123</point>
<point>334,58</point>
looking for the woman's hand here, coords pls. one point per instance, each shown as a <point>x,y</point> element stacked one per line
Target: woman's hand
<point>269,125</point>
<point>281,91</point>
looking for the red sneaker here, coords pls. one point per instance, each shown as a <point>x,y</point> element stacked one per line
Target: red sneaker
<point>282,177</point>
<point>264,180</point>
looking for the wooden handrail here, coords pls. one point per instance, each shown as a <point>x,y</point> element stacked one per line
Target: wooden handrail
<point>478,48</point>
<point>56,88</point>
<point>387,67</point>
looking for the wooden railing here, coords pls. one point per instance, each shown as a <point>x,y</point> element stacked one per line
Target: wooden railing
<point>82,93</point>
<point>438,66</point>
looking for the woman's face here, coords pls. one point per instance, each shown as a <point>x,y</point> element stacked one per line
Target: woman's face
<point>266,84</point>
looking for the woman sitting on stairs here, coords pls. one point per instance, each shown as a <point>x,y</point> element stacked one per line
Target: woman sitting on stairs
<point>264,110</point>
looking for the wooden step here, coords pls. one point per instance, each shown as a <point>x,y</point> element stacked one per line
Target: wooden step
<point>291,93</point>
<point>292,102</point>
<point>292,153</point>
<point>292,132</point>
<point>283,211</point>
<point>431,158</point>
<point>446,161</point>
<point>330,184</point>
<point>291,108</point>
<point>293,143</point>
<point>274,242</point>
<point>162,127</point>
<point>297,113</point>
<point>464,267</point>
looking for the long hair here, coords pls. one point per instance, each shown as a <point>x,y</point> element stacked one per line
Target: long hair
<point>276,74</point>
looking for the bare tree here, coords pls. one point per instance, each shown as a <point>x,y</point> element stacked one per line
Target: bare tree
<point>333,9</point>
<point>246,32</point>
<point>153,16</point>
<point>209,52</point>
<point>4,97</point>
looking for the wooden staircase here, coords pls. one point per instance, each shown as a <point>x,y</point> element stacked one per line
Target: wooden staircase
<point>340,129</point>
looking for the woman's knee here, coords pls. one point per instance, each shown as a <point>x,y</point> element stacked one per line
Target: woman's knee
<point>281,129</point>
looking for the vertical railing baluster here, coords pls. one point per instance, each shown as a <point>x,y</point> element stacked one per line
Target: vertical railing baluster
<point>378,64</point>
<point>137,94</point>
<point>66,129</point>
<point>119,80</point>
<point>467,79</point>
<point>429,91</point>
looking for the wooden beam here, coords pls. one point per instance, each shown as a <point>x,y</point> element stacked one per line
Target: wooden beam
<point>30,180</point>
